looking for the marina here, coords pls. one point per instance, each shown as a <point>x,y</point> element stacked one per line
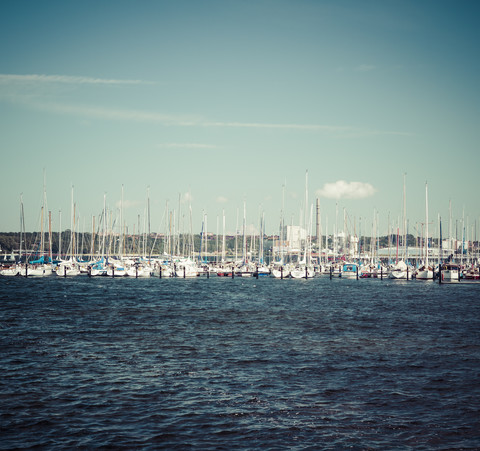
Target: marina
<point>303,251</point>
<point>240,225</point>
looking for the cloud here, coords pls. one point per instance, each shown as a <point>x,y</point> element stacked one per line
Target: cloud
<point>41,78</point>
<point>250,229</point>
<point>346,190</point>
<point>190,121</point>
<point>187,198</point>
<point>116,114</point>
<point>328,128</point>
<point>338,129</point>
<point>37,91</point>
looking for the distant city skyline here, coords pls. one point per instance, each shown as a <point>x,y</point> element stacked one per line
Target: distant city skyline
<point>219,104</point>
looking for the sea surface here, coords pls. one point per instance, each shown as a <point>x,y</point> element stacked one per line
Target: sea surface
<point>238,363</point>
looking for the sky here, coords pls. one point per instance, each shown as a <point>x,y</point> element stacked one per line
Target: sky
<point>212,108</point>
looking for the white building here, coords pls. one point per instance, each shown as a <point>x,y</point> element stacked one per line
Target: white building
<point>295,235</point>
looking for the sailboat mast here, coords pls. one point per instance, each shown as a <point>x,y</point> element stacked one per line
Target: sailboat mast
<point>244,247</point>
<point>450,225</point>
<point>121,226</point>
<point>216,242</point>
<point>148,208</point>
<point>50,235</point>
<point>60,234</point>
<point>306,206</point>
<point>404,217</point>
<point>92,248</point>
<point>426,225</point>
<point>73,232</point>
<point>42,238</point>
<point>104,224</point>
<point>206,239</point>
<point>41,235</point>
<point>317,228</point>
<point>22,227</point>
<point>223,238</point>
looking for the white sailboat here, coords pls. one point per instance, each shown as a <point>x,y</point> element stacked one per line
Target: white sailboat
<point>69,268</point>
<point>40,268</point>
<point>426,271</point>
<point>401,271</point>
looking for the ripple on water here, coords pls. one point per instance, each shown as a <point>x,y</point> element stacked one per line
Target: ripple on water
<point>224,364</point>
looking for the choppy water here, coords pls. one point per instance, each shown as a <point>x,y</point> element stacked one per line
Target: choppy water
<point>239,364</point>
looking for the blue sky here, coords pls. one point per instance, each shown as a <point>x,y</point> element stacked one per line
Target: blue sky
<point>224,102</point>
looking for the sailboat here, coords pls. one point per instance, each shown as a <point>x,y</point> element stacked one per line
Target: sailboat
<point>304,268</point>
<point>41,267</point>
<point>401,271</point>
<point>69,268</point>
<point>426,271</point>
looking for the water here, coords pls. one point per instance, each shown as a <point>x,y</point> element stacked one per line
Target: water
<point>239,364</point>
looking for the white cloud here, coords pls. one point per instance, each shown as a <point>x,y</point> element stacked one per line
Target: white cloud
<point>188,121</point>
<point>328,128</point>
<point>35,91</point>
<point>250,229</point>
<point>41,78</point>
<point>346,190</point>
<point>115,114</point>
<point>187,198</point>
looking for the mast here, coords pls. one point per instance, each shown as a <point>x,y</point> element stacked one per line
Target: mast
<point>223,238</point>
<point>282,226</point>
<point>50,236</point>
<point>148,208</point>
<point>92,244</point>
<point>335,232</point>
<point>42,235</point>
<point>216,242</point>
<point>22,227</point>
<point>308,245</point>
<point>83,237</point>
<point>121,226</point>
<point>404,218</point>
<point>463,235</point>
<point>236,239</point>
<point>206,239</point>
<point>60,234</point>
<point>201,241</point>
<point>317,229</point>
<point>104,224</point>
<point>262,235</point>
<point>42,244</point>
<point>305,209</point>
<point>450,243</point>
<point>72,227</point>
<point>426,225</point>
<point>439,241</point>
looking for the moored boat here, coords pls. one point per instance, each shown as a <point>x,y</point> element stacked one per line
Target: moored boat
<point>349,271</point>
<point>450,272</point>
<point>400,271</point>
